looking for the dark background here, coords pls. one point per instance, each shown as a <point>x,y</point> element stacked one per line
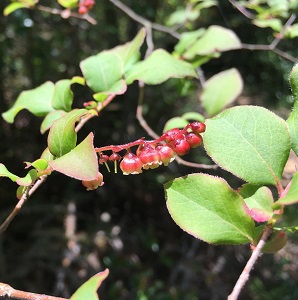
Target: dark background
<point>124,225</point>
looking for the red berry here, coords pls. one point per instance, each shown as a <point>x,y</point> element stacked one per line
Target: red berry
<point>131,164</point>
<point>149,157</point>
<point>93,184</point>
<point>193,139</point>
<point>167,154</point>
<point>172,134</point>
<point>198,127</point>
<point>181,147</point>
<point>82,10</point>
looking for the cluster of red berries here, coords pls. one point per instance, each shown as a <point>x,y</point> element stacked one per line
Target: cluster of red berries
<point>85,6</point>
<point>150,154</point>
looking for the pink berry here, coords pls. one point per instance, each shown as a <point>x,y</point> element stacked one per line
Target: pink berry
<point>82,10</point>
<point>115,157</point>
<point>198,127</point>
<point>149,157</point>
<point>131,164</point>
<point>193,139</point>
<point>172,135</point>
<point>167,154</point>
<point>181,147</point>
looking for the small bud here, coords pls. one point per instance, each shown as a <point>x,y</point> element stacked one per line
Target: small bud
<point>131,164</point>
<point>93,184</point>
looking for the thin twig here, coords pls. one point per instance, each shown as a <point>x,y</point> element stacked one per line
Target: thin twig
<point>243,278</point>
<point>144,21</point>
<point>242,9</point>
<point>62,13</point>
<point>8,291</point>
<point>19,205</point>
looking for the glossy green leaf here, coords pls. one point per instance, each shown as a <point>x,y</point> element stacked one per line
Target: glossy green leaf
<point>47,155</point>
<point>207,208</point>
<point>80,163</point>
<point>215,39</point>
<point>221,90</point>
<point>78,79</point>
<point>39,164</point>
<point>176,122</point>
<point>28,179</point>
<point>291,196</point>
<point>50,118</point>
<point>193,116</point>
<point>21,190</point>
<point>181,16</point>
<point>102,71</point>
<point>10,8</point>
<point>89,288</point>
<point>63,95</point>
<point>247,190</point>
<point>159,67</point>
<point>5,173</point>
<point>38,101</point>
<point>260,204</point>
<point>249,141</point>
<point>292,121</point>
<point>62,136</point>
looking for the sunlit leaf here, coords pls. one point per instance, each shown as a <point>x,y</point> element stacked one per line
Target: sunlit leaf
<point>63,95</point>
<point>62,136</point>
<point>50,118</point>
<point>80,163</point>
<point>221,90</point>
<point>193,116</point>
<point>89,288</point>
<point>5,173</point>
<point>38,101</point>
<point>215,39</point>
<point>10,8</point>
<point>176,122</point>
<point>28,179</point>
<point>159,67</point>
<point>273,23</point>
<point>207,208</point>
<point>249,141</point>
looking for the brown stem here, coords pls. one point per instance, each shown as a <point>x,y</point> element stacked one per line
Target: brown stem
<point>7,291</point>
<point>243,278</point>
<point>144,21</point>
<point>242,9</point>
<point>60,12</point>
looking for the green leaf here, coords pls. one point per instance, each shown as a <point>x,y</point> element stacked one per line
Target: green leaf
<point>292,31</point>
<point>292,121</point>
<point>89,288</point>
<point>5,173</point>
<point>182,16</point>
<point>50,118</point>
<point>159,67</point>
<point>38,101</point>
<point>118,88</point>
<point>10,8</point>
<point>102,71</point>
<point>62,136</point>
<point>80,163</point>
<point>221,90</point>
<point>193,116</point>
<point>260,205</point>
<point>78,79</point>
<point>207,208</point>
<point>291,196</point>
<point>130,52</point>
<point>39,164</point>
<point>187,39</point>
<point>249,141</point>
<point>63,96</point>
<point>28,179</point>
<point>215,39</point>
<point>176,122</point>
<point>68,3</point>
<point>247,190</point>
<point>274,24</point>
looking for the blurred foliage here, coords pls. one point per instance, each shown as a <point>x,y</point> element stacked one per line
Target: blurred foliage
<point>124,226</point>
